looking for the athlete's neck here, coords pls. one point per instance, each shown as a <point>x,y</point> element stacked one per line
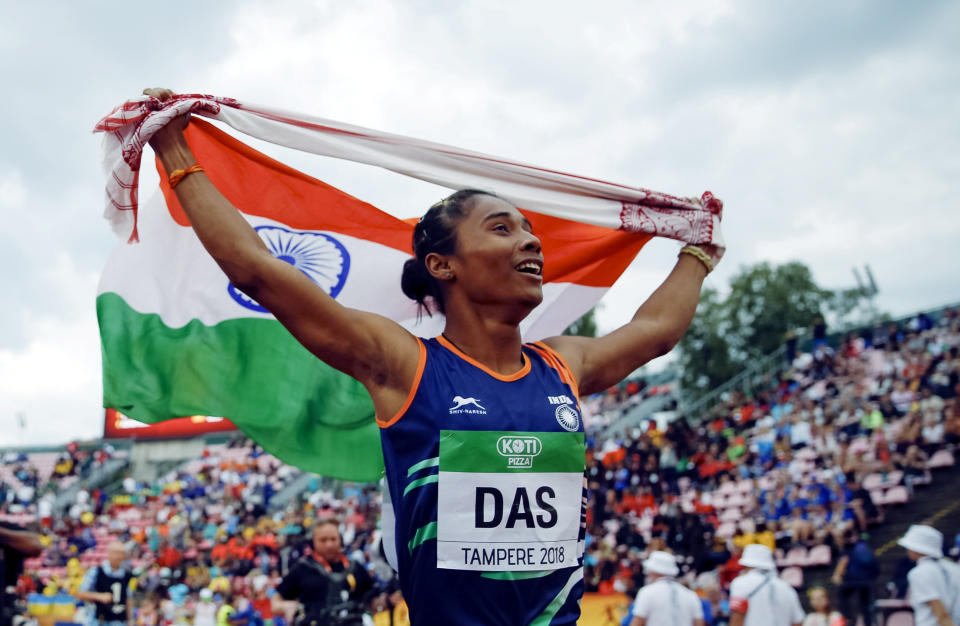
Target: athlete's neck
<point>495,345</point>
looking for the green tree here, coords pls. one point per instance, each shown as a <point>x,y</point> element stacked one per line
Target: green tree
<point>705,358</point>
<point>763,303</point>
<point>586,326</point>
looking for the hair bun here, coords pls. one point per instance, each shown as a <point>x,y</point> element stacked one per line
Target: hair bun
<point>414,280</point>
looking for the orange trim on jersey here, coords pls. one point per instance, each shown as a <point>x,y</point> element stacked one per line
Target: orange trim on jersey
<point>520,373</point>
<point>421,363</point>
<point>554,360</point>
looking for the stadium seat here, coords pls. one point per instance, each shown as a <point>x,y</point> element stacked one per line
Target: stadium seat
<point>899,618</point>
<point>819,555</point>
<point>793,576</point>
<point>741,500</point>
<point>796,557</point>
<point>726,530</point>
<point>941,458</point>
<point>873,481</point>
<point>731,514</point>
<point>896,495</point>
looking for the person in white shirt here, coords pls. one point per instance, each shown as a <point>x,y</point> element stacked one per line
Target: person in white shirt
<point>758,597</point>
<point>800,433</point>
<point>205,613</point>
<point>664,601</point>
<point>934,583</point>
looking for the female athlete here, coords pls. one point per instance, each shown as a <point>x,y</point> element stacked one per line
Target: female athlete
<point>482,435</point>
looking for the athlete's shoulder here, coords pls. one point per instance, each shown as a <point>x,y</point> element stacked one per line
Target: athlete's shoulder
<point>557,362</point>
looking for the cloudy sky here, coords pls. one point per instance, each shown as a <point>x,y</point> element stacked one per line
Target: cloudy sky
<point>830,130</point>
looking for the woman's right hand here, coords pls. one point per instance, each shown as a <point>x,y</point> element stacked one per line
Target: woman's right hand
<point>160,93</point>
<point>173,131</point>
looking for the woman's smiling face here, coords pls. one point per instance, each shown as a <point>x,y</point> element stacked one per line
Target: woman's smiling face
<point>498,259</point>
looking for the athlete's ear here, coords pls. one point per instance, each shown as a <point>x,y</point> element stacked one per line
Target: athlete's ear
<point>439,266</point>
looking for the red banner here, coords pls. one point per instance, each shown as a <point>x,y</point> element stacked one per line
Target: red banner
<point>118,426</point>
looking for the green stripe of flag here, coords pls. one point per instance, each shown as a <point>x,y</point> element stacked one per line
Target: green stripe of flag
<point>251,371</point>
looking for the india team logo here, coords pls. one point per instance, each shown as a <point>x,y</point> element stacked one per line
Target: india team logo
<point>567,417</point>
<point>319,256</point>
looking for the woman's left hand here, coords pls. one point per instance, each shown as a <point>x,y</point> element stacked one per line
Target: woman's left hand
<point>714,250</point>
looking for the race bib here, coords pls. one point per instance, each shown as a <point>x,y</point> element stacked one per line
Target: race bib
<point>509,501</point>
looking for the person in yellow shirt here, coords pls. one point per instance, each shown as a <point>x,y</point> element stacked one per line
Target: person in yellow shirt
<point>765,537</point>
<point>755,533</point>
<point>226,610</point>
<point>395,605</point>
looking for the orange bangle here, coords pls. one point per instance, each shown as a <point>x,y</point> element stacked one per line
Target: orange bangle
<point>179,175</point>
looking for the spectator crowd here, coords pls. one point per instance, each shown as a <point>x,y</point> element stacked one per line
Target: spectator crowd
<point>806,465</point>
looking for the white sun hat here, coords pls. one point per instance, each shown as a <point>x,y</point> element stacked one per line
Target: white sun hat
<point>660,562</point>
<point>923,539</point>
<point>757,556</point>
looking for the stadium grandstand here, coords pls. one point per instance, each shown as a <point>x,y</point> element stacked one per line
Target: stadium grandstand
<point>826,444</point>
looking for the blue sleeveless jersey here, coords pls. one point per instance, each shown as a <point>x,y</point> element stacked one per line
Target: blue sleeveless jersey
<point>485,480</point>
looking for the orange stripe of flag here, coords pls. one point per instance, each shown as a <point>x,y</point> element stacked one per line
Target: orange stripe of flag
<point>262,186</point>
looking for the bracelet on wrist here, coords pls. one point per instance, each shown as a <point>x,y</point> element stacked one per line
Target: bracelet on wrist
<point>178,175</point>
<point>698,253</point>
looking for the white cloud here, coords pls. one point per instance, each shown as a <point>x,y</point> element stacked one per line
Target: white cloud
<point>55,379</point>
<point>12,192</point>
<point>829,130</point>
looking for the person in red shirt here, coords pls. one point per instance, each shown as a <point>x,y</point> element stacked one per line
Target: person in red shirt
<point>731,569</point>
<point>261,603</point>
<point>168,556</point>
<point>220,553</point>
<point>239,549</point>
<point>265,539</point>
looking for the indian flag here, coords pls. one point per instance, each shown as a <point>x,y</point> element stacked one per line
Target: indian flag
<point>178,339</point>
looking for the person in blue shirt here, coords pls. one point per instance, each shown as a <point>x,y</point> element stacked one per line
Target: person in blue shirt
<point>855,573</point>
<point>474,419</point>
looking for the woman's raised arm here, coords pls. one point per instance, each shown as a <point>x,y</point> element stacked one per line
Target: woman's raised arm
<point>378,352</point>
<point>656,327</point>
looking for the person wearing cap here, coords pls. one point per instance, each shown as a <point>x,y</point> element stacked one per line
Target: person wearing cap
<point>934,583</point>
<point>758,597</point>
<point>205,612</point>
<point>663,600</point>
